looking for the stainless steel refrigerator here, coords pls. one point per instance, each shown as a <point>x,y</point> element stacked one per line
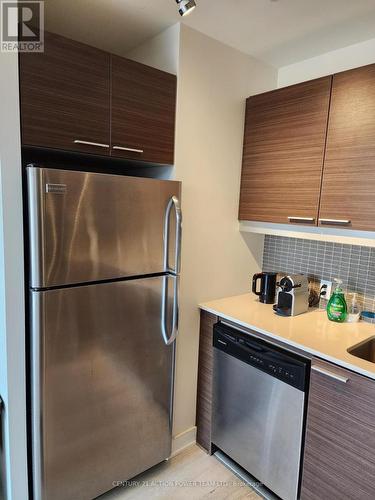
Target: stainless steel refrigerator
<point>104,279</point>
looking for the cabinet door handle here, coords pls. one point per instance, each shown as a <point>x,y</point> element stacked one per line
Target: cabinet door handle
<point>301,219</point>
<point>329,374</point>
<point>89,143</point>
<point>335,222</point>
<point>132,150</point>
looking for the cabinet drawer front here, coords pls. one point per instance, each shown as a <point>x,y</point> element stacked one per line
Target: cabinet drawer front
<point>348,188</point>
<point>65,97</point>
<point>284,142</point>
<point>143,112</point>
<point>339,459</point>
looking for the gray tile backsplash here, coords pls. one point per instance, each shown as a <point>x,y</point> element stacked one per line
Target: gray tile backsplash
<point>355,265</point>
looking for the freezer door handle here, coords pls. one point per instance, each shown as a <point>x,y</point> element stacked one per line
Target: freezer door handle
<point>164,309</point>
<point>173,202</point>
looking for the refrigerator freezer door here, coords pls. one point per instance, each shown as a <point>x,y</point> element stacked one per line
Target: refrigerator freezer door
<point>102,382</point>
<point>91,227</point>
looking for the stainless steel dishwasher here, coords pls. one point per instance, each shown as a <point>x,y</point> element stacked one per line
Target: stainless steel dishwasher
<point>258,408</point>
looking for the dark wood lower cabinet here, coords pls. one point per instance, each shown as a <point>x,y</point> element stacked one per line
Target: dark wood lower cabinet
<point>339,459</point>
<point>204,391</point>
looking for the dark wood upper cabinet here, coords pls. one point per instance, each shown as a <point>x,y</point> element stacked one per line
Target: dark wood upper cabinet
<point>340,436</point>
<point>65,97</point>
<point>285,134</point>
<point>348,188</point>
<point>143,112</point>
<point>78,98</point>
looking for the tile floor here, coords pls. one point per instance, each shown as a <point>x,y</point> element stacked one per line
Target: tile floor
<point>190,475</point>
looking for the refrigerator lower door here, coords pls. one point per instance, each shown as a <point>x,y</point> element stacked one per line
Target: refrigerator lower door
<point>102,382</point>
<point>88,226</point>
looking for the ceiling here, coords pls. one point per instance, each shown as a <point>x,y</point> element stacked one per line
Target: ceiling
<point>279,32</point>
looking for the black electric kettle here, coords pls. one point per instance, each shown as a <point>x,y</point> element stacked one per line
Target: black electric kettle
<point>267,290</point>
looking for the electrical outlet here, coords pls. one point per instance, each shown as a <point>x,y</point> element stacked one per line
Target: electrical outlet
<point>327,287</point>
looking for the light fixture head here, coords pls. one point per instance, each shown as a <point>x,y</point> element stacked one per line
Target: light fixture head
<point>185,7</point>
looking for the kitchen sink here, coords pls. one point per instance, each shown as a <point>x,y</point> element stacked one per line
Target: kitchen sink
<point>365,350</point>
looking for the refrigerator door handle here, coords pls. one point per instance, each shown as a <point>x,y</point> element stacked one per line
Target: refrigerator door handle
<point>175,311</point>
<point>173,202</point>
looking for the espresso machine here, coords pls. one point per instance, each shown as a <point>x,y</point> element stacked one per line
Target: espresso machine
<point>292,295</point>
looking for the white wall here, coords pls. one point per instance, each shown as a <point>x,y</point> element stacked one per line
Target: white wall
<point>161,51</point>
<point>213,82</point>
<point>12,318</point>
<point>217,260</point>
<point>343,59</point>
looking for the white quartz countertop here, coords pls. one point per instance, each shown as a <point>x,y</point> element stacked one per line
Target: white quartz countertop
<point>311,332</point>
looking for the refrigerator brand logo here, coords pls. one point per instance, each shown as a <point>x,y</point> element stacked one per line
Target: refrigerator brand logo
<point>56,188</point>
<point>22,26</point>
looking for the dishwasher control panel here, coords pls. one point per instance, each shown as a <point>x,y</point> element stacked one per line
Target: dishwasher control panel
<point>277,362</point>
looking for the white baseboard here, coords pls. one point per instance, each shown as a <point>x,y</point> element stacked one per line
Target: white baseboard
<point>183,440</point>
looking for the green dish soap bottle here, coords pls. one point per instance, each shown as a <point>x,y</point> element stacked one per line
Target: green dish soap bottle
<point>337,309</point>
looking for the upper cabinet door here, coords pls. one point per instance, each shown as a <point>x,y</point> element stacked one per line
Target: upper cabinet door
<point>143,112</point>
<point>348,188</point>
<point>65,95</point>
<point>285,134</point>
